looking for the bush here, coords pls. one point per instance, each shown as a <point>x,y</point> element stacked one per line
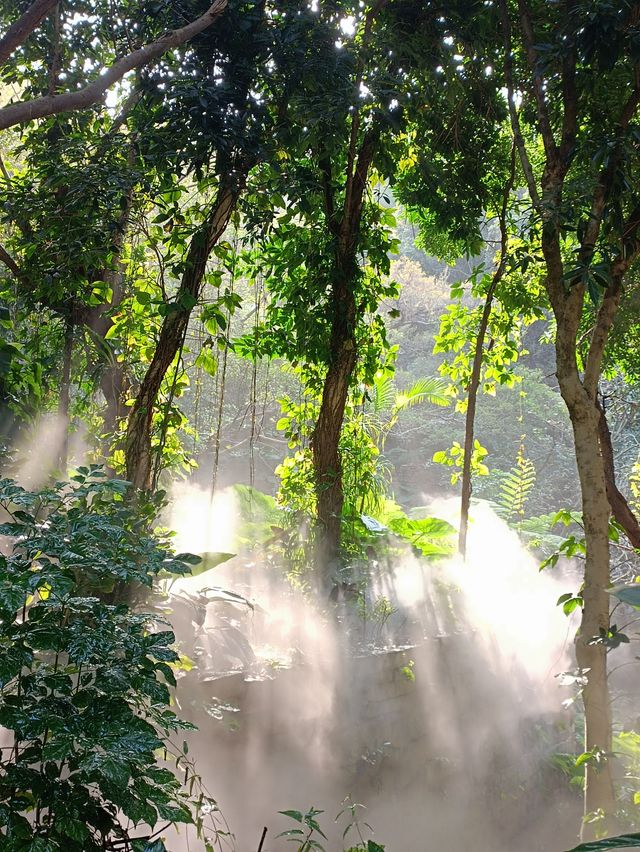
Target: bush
<point>84,679</point>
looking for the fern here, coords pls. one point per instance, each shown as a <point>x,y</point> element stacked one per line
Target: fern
<point>516,488</point>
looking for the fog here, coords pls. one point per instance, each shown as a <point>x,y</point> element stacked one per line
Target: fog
<point>439,711</point>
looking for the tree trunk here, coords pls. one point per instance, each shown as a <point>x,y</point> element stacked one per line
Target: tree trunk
<point>585,417</point>
<point>476,369</point>
<point>343,354</point>
<point>65,391</point>
<point>470,419</point>
<point>138,454</point>
<point>326,434</point>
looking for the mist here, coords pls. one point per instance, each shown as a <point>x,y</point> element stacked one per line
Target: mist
<point>440,714</point>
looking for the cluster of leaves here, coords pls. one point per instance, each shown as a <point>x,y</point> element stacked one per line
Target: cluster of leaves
<point>84,679</point>
<point>454,458</point>
<point>309,830</point>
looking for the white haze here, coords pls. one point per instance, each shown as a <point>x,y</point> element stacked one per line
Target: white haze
<point>443,762</point>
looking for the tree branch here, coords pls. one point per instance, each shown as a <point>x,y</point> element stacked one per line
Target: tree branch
<point>620,509</point>
<point>327,188</point>
<point>528,38</point>
<point>355,120</point>
<point>569,91</point>
<point>513,113</point>
<point>19,31</point>
<point>478,357</point>
<point>355,199</point>
<point>607,176</point>
<point>10,263</point>
<point>599,336</point>
<point>20,113</point>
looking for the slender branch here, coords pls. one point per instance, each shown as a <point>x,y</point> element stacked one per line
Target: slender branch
<point>262,839</point>
<point>54,64</point>
<point>327,188</point>
<point>3,171</point>
<point>123,116</point>
<point>528,37</point>
<point>621,510</point>
<point>24,111</point>
<point>19,31</point>
<point>569,91</point>
<point>513,112</point>
<point>629,251</point>
<point>355,121</point>
<point>353,203</point>
<point>607,176</point>
<point>10,263</point>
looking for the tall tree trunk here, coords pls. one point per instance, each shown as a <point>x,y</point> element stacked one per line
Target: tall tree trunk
<point>326,434</point>
<point>343,354</point>
<point>114,381</point>
<point>138,454</point>
<point>580,396</point>
<point>599,788</point>
<point>469,423</point>
<point>476,369</point>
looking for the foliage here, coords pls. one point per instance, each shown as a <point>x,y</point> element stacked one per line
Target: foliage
<point>619,842</point>
<point>432,537</point>
<point>454,457</point>
<point>516,487</point>
<point>304,836</point>
<point>84,680</point>
<point>307,837</point>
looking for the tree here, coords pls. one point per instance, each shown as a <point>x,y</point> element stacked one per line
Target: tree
<point>574,133</point>
<point>355,128</point>
<point>258,69</point>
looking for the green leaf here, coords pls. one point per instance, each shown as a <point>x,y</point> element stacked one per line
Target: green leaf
<point>432,536</point>
<point>297,815</point>
<point>188,558</point>
<point>628,593</point>
<point>619,842</point>
<point>211,559</point>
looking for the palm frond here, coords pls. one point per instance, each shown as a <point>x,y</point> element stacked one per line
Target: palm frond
<point>428,389</point>
<point>384,393</point>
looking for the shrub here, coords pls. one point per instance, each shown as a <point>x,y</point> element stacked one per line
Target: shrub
<point>84,679</point>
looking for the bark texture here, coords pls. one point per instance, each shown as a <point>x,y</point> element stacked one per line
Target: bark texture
<point>326,436</point>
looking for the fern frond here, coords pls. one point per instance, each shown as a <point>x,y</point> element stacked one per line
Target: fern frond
<point>516,487</point>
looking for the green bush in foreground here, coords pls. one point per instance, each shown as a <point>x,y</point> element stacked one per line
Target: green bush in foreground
<point>84,694</point>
